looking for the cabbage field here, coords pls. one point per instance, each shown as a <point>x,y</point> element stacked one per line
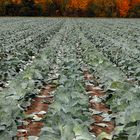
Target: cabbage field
<point>69,79</point>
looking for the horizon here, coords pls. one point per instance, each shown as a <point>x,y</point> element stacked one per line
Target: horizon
<point>71,8</point>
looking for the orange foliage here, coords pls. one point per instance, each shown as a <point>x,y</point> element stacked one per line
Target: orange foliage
<point>40,1</point>
<point>124,6</point>
<point>80,4</point>
<point>134,2</point>
<point>16,1</point>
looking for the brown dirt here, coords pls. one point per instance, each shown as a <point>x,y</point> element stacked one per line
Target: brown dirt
<point>95,91</point>
<point>38,104</point>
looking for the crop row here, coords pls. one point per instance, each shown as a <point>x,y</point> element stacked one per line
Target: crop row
<point>60,60</point>
<point>123,96</point>
<point>65,119</point>
<point>21,30</point>
<point>124,55</point>
<point>16,56</point>
<point>14,98</point>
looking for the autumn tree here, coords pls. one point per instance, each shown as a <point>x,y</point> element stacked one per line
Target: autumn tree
<point>123,6</point>
<point>42,6</point>
<point>102,8</point>
<point>2,8</point>
<point>92,8</point>
<point>9,8</point>
<point>63,6</point>
<point>30,8</point>
<point>134,11</point>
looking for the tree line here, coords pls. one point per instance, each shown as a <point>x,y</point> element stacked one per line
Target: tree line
<point>95,8</point>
